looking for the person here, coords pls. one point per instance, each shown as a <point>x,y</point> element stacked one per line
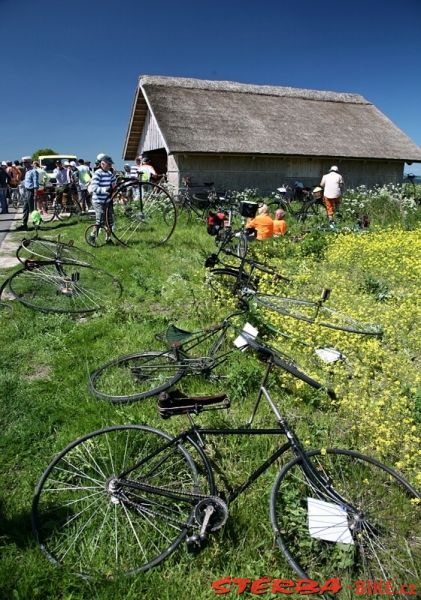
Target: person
<point>143,168</point>
<point>102,185</point>
<point>333,185</point>
<point>263,223</point>
<point>31,185</point>
<point>84,179</point>
<point>43,180</point>
<point>279,223</point>
<point>63,176</point>
<point>147,170</point>
<point>4,183</point>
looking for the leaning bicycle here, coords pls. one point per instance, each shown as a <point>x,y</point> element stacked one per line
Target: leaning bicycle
<point>120,500</point>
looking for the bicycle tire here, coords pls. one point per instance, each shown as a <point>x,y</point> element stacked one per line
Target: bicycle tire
<point>120,380</point>
<point>51,250</point>
<point>83,518</point>
<point>60,287</point>
<point>144,213</point>
<point>99,233</point>
<point>184,211</point>
<point>225,280</point>
<point>386,521</point>
<point>311,312</point>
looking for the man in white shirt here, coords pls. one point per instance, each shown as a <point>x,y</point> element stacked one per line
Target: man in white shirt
<point>333,186</point>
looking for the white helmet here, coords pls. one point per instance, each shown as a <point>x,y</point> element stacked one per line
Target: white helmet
<point>100,156</point>
<point>334,168</point>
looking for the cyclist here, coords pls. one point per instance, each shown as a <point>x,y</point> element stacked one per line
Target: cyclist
<point>102,185</point>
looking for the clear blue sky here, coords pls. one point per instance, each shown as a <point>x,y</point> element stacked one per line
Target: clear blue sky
<point>70,69</point>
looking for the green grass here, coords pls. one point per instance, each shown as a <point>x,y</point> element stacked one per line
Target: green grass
<point>45,360</point>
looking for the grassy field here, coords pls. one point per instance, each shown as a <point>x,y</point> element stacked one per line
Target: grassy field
<point>45,360</point>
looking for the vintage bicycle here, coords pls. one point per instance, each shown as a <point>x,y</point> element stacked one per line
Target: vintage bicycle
<point>147,373</point>
<point>121,499</point>
<point>57,278</point>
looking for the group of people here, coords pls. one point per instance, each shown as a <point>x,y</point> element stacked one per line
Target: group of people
<point>266,226</point>
<point>71,178</point>
<point>97,184</point>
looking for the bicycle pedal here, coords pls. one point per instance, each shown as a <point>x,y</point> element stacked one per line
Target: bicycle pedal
<point>194,544</point>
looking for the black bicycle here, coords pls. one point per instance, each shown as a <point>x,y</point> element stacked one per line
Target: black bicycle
<point>308,204</point>
<point>147,373</point>
<point>198,203</point>
<point>140,212</point>
<point>121,499</point>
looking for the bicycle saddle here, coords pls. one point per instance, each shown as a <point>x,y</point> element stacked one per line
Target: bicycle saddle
<point>175,402</point>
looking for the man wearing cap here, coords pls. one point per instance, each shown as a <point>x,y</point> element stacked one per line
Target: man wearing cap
<point>102,185</point>
<point>31,185</point>
<point>333,185</point>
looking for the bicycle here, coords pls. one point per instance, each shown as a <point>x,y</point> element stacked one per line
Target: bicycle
<point>309,204</point>
<point>144,374</point>
<point>48,249</point>
<point>59,286</point>
<point>61,205</point>
<point>121,499</point>
<point>17,199</point>
<point>245,286</point>
<point>200,203</point>
<point>142,212</point>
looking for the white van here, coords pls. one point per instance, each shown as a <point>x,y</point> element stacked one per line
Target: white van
<point>48,163</point>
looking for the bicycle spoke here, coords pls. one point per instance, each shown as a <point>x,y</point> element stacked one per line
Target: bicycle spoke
<point>86,519</point>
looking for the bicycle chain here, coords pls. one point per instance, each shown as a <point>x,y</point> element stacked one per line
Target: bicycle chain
<point>155,489</point>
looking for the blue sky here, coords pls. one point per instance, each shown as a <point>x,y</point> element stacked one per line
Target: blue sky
<point>69,70</point>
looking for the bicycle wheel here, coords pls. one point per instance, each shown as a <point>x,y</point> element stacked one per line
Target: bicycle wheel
<point>227,281</point>
<point>309,209</point>
<point>46,206</point>
<point>379,539</point>
<point>184,211</point>
<point>143,213</point>
<point>135,376</point>
<point>96,236</point>
<point>64,287</point>
<point>86,519</point>
<point>52,250</point>
<point>312,312</point>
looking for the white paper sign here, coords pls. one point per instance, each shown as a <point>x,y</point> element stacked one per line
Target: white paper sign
<point>240,341</point>
<point>329,355</point>
<point>328,521</point>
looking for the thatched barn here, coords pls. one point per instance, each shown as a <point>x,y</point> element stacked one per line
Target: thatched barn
<point>240,136</point>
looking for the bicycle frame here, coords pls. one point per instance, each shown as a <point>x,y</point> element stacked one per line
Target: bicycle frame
<point>194,436</point>
<point>197,338</point>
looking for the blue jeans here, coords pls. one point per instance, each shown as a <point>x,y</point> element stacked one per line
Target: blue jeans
<point>3,200</point>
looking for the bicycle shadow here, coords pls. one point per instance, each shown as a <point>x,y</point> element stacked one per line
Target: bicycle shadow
<point>15,530</point>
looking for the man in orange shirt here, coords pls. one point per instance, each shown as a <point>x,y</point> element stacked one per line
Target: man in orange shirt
<point>263,223</point>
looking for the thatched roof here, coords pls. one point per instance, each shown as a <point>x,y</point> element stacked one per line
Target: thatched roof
<point>196,115</point>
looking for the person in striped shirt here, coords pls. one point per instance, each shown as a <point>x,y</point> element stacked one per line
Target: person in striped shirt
<point>102,185</point>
